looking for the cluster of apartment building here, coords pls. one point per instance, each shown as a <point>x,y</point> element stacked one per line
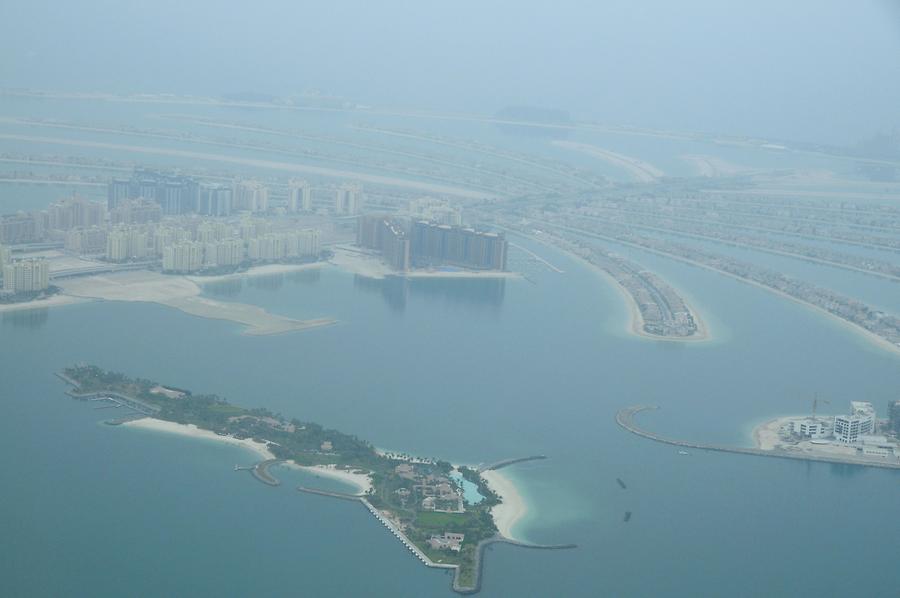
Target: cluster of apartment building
<point>179,194</point>
<point>30,275</point>
<point>406,244</point>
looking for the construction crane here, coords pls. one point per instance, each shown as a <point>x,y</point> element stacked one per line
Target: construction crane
<point>816,401</point>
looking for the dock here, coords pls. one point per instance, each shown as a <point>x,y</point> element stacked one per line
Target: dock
<point>508,462</point>
<point>625,419</point>
<point>260,471</point>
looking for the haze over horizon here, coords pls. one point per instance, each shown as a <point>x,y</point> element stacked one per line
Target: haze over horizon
<point>813,71</point>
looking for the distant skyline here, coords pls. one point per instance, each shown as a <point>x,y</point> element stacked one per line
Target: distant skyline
<point>817,71</point>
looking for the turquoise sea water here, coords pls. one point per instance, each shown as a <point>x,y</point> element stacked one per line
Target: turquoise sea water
<point>469,371</point>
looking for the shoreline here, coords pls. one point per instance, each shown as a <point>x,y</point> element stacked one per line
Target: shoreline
<point>185,295</point>
<point>191,431</point>
<point>265,270</point>
<point>510,512</point>
<point>361,481</point>
<point>55,301</point>
<point>635,323</point>
<point>874,341</point>
<point>641,171</point>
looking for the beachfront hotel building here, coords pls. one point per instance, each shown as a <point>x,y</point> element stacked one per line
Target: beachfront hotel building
<point>26,276</point>
<point>439,244</point>
<point>5,255</point>
<point>385,234</point>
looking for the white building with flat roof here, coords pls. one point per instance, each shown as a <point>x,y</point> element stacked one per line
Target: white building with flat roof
<point>811,428</point>
<point>860,422</point>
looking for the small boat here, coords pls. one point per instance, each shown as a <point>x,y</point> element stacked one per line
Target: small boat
<point>627,516</point>
<point>683,453</point>
<point>621,483</point>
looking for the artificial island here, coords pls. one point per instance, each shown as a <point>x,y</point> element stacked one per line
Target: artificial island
<point>855,438</point>
<point>444,514</point>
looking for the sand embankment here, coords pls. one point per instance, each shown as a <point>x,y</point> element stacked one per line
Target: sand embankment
<point>190,430</point>
<point>639,170</point>
<point>712,166</point>
<point>53,301</point>
<point>183,294</point>
<point>513,508</point>
<point>358,262</point>
<point>266,270</point>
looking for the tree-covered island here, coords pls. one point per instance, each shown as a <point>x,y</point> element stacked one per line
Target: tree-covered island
<point>423,498</point>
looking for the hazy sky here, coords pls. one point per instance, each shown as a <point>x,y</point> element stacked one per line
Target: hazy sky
<point>806,69</point>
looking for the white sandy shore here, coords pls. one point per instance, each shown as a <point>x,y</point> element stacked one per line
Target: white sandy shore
<point>192,431</point>
<point>361,481</point>
<point>513,508</point>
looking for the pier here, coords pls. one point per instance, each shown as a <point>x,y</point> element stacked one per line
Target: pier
<point>260,471</point>
<point>625,418</point>
<point>508,462</point>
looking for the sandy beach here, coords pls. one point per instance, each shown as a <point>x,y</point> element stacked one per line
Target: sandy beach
<point>639,170</point>
<point>183,294</point>
<point>54,301</point>
<point>150,423</point>
<point>513,507</point>
<point>361,481</point>
<point>266,270</point>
